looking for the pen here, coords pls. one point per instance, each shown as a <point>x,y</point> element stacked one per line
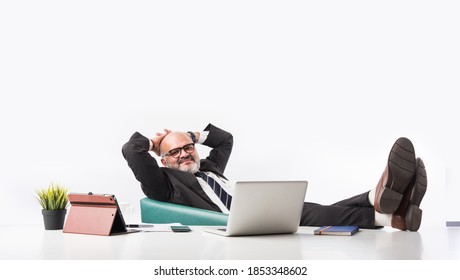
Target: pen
<point>138,226</point>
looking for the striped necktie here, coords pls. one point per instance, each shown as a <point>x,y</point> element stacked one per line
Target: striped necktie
<point>220,192</point>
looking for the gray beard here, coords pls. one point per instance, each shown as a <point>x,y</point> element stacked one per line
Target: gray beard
<point>194,168</point>
<point>191,169</point>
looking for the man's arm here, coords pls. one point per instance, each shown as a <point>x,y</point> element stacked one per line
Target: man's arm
<point>154,182</point>
<point>221,143</point>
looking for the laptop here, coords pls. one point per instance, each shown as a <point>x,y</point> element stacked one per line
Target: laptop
<point>272,207</point>
<point>97,214</point>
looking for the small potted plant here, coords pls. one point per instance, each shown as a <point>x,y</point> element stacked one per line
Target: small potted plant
<point>54,202</point>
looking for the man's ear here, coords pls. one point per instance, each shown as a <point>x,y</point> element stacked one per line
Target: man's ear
<point>163,161</point>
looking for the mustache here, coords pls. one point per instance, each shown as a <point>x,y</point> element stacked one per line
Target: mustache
<point>188,157</point>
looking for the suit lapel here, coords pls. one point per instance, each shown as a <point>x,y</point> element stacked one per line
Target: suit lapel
<point>206,165</point>
<point>192,193</point>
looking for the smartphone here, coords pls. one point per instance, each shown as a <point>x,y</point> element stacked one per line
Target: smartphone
<point>180,228</point>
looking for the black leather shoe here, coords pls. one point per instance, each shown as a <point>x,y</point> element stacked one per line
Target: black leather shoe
<point>408,216</point>
<point>396,177</point>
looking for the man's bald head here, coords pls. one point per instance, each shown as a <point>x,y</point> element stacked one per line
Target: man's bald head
<point>174,140</point>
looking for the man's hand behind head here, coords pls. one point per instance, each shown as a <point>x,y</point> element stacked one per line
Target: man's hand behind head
<point>157,140</point>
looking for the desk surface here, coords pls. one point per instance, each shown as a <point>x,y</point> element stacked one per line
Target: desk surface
<point>33,242</point>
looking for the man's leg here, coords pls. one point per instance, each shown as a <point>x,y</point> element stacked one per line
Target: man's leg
<point>395,185</point>
<point>360,200</point>
<point>356,210</point>
<point>337,215</point>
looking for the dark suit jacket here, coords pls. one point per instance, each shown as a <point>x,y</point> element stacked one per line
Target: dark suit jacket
<point>170,185</point>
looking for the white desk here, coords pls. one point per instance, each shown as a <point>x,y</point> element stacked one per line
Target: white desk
<point>34,243</point>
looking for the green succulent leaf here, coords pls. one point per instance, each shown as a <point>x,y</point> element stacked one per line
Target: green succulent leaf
<point>53,197</point>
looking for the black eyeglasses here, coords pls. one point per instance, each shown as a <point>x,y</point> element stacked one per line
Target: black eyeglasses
<point>175,153</point>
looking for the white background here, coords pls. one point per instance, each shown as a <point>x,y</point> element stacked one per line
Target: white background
<point>315,90</point>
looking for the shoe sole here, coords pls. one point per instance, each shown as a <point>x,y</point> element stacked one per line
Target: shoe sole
<point>401,169</point>
<point>414,213</point>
